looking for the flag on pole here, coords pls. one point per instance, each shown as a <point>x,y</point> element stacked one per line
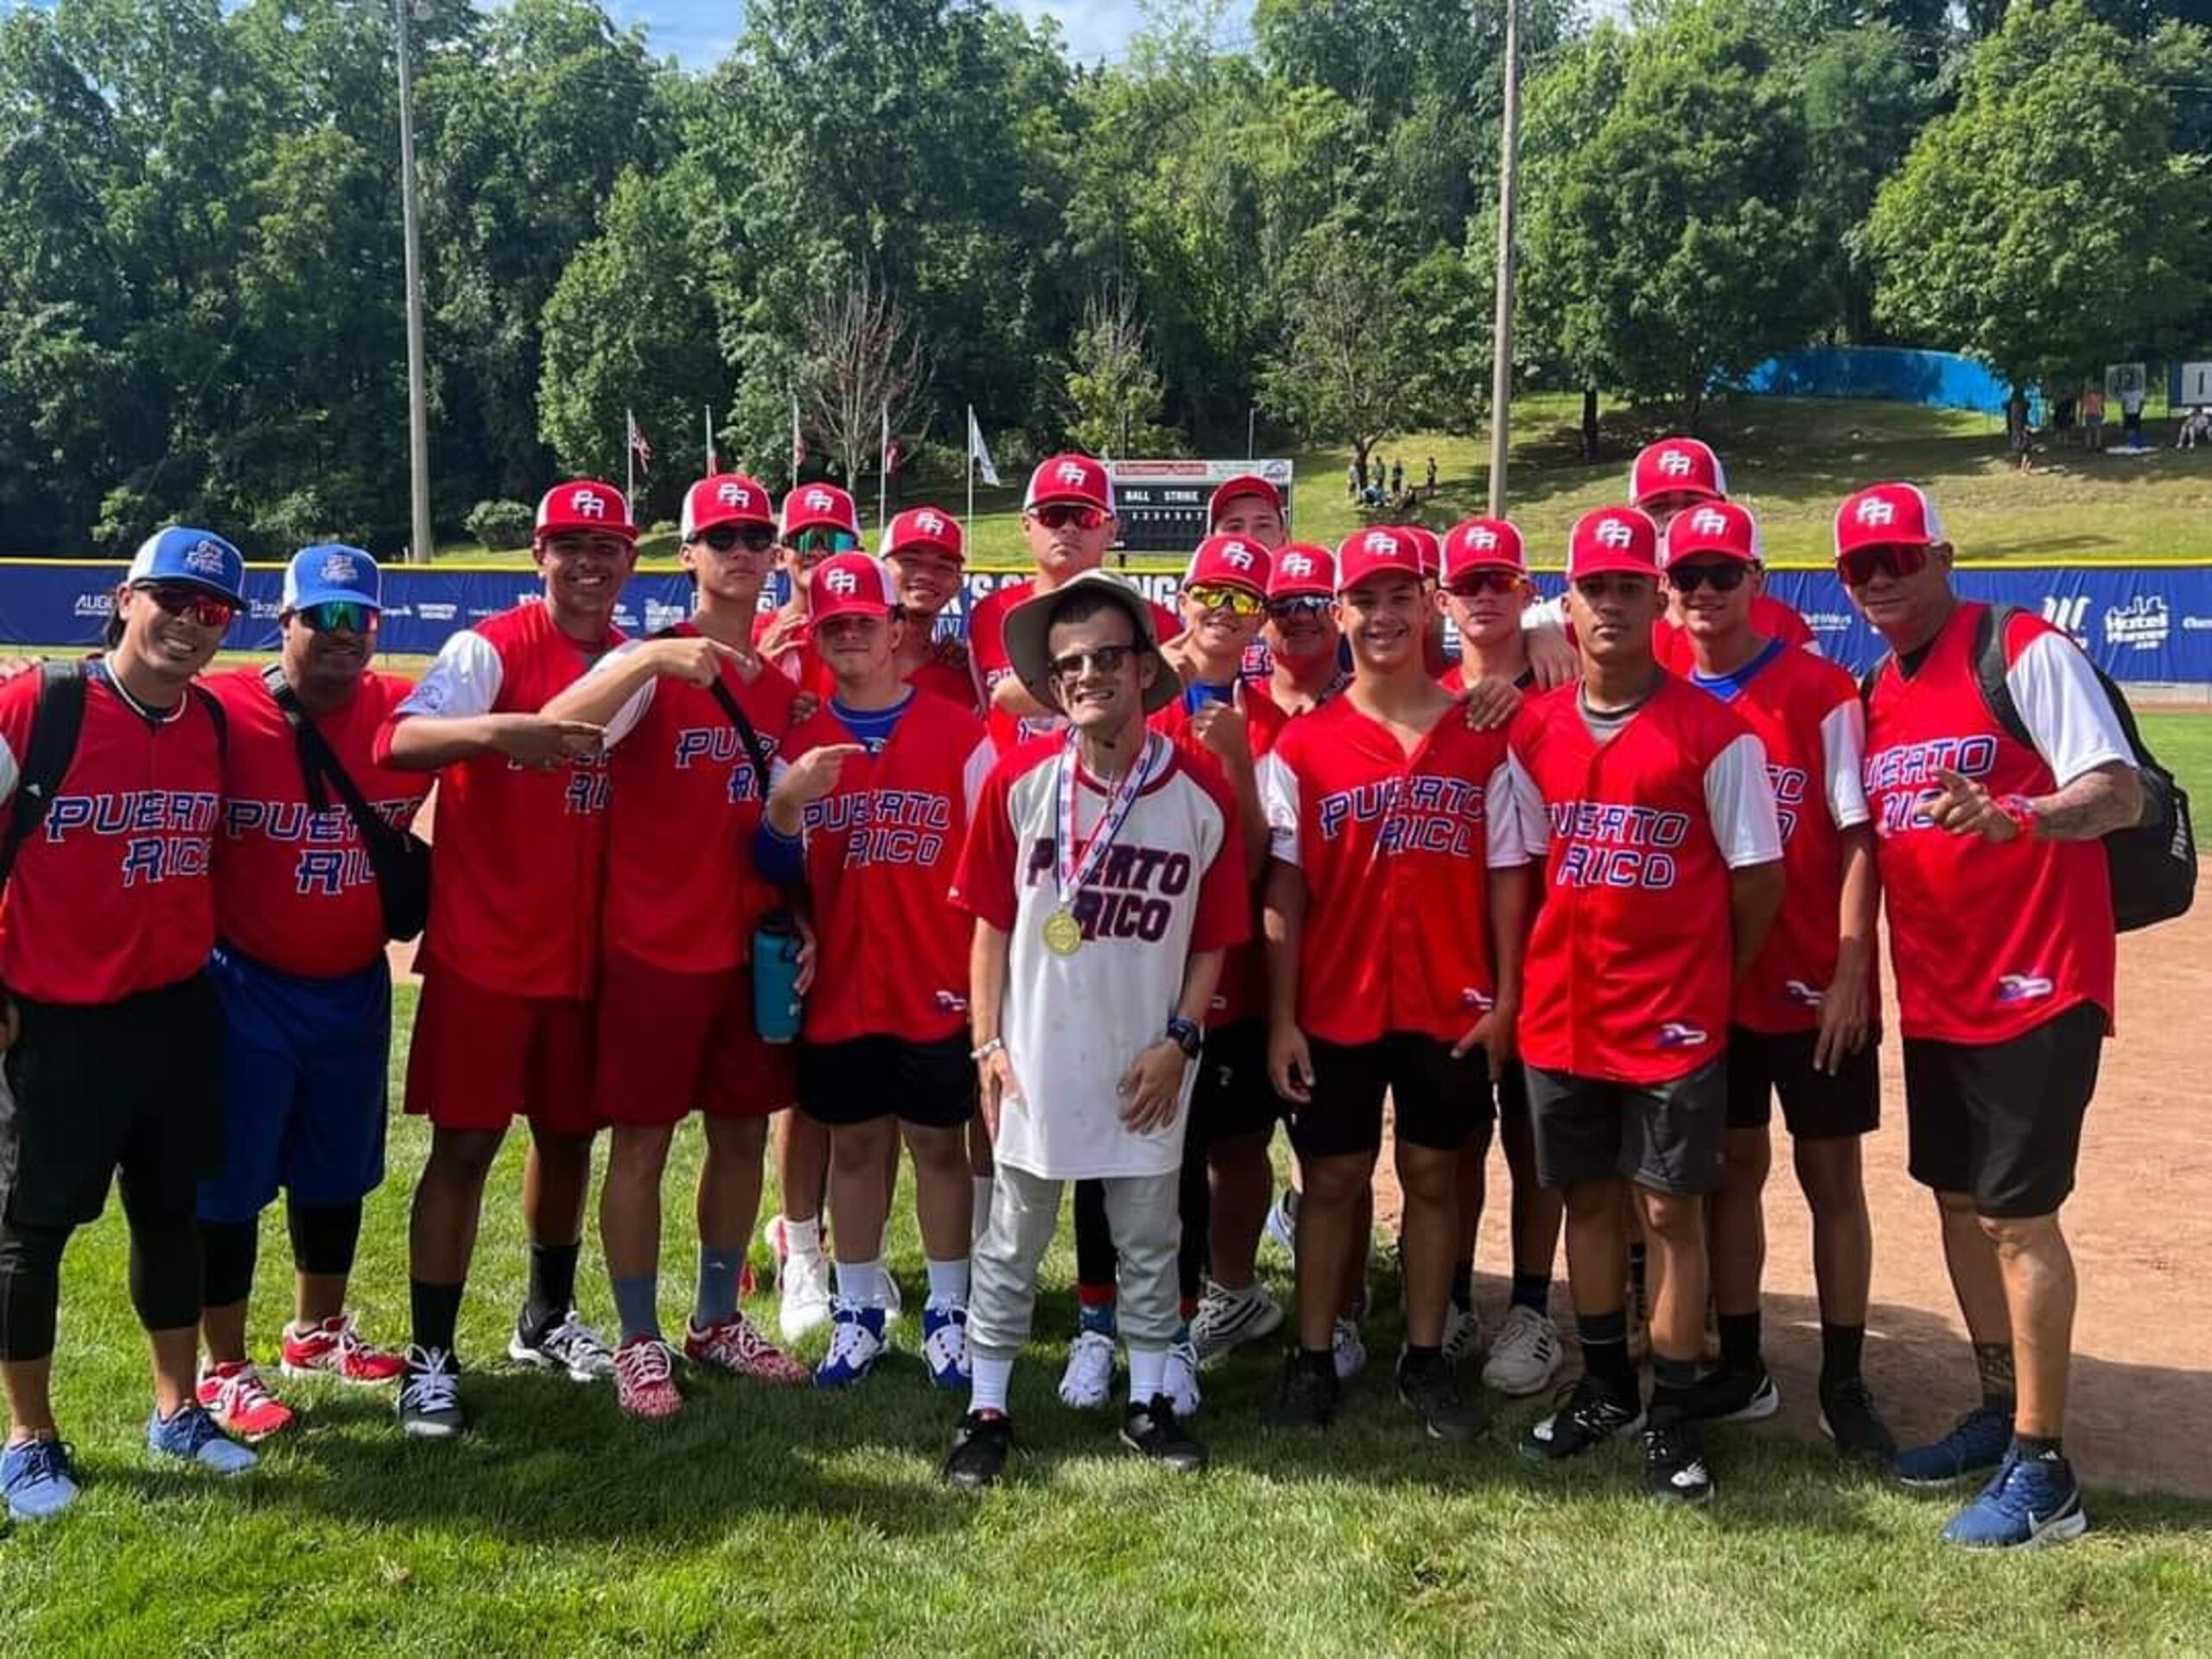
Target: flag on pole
<point>884,453</point>
<point>798,443</point>
<point>641,450</point>
<point>979,452</point>
<point>713,462</point>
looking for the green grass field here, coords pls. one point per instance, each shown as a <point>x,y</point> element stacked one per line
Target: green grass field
<point>764,1520</point>
<point>1791,460</point>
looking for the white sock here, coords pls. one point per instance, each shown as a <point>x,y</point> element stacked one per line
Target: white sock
<point>948,1280</point>
<point>991,1375</point>
<point>982,1217</point>
<point>1147,1375</point>
<point>861,1283</point>
<point>803,1238</point>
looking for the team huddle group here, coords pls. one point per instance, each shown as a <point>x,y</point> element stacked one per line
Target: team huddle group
<point>1099,897</point>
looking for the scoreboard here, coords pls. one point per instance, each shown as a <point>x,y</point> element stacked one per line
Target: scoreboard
<point>1163,503</point>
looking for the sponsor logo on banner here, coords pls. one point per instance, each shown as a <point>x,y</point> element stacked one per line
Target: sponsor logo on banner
<point>431,610</point>
<point>2071,613</point>
<point>659,615</point>
<point>101,604</point>
<point>2142,624</point>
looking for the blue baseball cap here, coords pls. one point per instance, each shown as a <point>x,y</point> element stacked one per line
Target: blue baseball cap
<point>329,571</point>
<point>199,558</point>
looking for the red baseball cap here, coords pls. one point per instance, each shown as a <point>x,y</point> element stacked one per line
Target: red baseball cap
<point>850,584</point>
<point>585,503</point>
<point>725,498</point>
<point>819,506</point>
<point>1720,527</point>
<point>924,527</point>
<point>1230,561</point>
<point>1385,550</point>
<point>1483,544</point>
<point>1887,515</point>
<point>1243,483</point>
<point>1676,466</point>
<point>1430,546</point>
<point>1302,570</point>
<point>1078,480</point>
<point>1613,540</point>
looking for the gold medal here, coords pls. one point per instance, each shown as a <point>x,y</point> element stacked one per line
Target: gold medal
<point>1063,933</point>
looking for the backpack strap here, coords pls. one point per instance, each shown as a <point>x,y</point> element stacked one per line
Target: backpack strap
<point>1990,669</point>
<point>762,756</point>
<point>54,729</point>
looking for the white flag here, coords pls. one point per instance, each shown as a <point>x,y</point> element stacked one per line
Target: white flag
<point>979,452</point>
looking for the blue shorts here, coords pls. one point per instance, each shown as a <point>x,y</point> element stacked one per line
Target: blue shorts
<point>303,1086</point>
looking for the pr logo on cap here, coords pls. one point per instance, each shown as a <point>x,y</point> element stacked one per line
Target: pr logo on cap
<point>1237,554</point>
<point>1483,537</point>
<point>928,522</point>
<point>1297,564</point>
<point>1705,522</point>
<point>733,495</point>
<point>588,504</point>
<point>1072,471</point>
<point>841,582</point>
<point>1876,510</point>
<point>818,501</point>
<point>1614,532</point>
<point>1674,463</point>
<point>1379,541</point>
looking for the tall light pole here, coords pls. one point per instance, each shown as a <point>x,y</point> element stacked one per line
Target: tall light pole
<point>418,391</point>
<point>1509,179</point>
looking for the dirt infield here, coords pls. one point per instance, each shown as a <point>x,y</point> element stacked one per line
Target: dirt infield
<point>2140,1225</point>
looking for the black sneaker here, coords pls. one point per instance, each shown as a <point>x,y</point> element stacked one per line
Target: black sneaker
<point>979,1452</point>
<point>1727,1396</point>
<point>1432,1393</point>
<point>429,1396</point>
<point>1308,1396</point>
<point>1588,1415</point>
<point>1152,1431</point>
<point>1848,1417</point>
<point>1674,1458</point>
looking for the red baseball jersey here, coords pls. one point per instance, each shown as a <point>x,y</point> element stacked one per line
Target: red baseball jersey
<point>1395,849</point>
<point>1770,617</point>
<point>521,854</point>
<point>293,889</point>
<point>1989,941</point>
<point>1173,883</point>
<point>1806,713</point>
<point>881,850</point>
<point>1629,965</point>
<point>986,656</point>
<point>682,892</point>
<point>1242,991</point>
<point>799,662</point>
<point>954,683</point>
<point>115,895</point>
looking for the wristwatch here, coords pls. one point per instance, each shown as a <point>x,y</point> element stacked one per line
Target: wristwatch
<point>1185,1035</point>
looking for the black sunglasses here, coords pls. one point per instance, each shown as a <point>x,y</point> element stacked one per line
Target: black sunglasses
<point>1107,659</point>
<point>1722,576</point>
<point>754,538</point>
<point>1303,605</point>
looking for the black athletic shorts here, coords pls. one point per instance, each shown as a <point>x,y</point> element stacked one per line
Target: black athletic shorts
<point>1232,1095</point>
<point>135,1086</point>
<point>2002,1122</point>
<point>1437,1102</point>
<point>1672,1137</point>
<point>1815,1106</point>
<point>931,1084</point>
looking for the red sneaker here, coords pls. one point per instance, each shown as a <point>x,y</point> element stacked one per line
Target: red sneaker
<point>736,1345</point>
<point>240,1402</point>
<point>644,1379</point>
<point>334,1348</point>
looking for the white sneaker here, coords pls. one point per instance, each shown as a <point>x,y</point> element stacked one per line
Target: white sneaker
<point>1088,1382</point>
<point>1180,1380</point>
<point>1228,1318</point>
<point>1349,1351</point>
<point>1282,1221</point>
<point>803,1295</point>
<point>1526,1354</point>
<point>1463,1333</point>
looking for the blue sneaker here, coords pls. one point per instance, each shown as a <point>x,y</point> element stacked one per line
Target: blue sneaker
<point>945,1343</point>
<point>856,1344</point>
<point>2030,1502</point>
<point>1977,1443</point>
<point>192,1435</point>
<point>38,1478</point>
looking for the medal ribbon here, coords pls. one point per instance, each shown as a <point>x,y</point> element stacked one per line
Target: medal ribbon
<point>1071,876</point>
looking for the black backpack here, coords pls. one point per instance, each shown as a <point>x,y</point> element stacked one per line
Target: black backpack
<point>2153,860</point>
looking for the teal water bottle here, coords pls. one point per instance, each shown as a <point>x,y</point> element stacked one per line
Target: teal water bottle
<point>775,977</point>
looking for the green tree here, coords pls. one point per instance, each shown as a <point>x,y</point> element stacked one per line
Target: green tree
<point>1669,251</point>
<point>1863,106</point>
<point>1349,349</point>
<point>2037,241</point>
<point>1114,386</point>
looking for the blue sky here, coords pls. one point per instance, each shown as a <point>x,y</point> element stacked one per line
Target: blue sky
<point>698,31</point>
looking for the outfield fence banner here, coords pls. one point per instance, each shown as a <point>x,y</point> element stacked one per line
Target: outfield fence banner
<point>2148,623</point>
<point>1888,373</point>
